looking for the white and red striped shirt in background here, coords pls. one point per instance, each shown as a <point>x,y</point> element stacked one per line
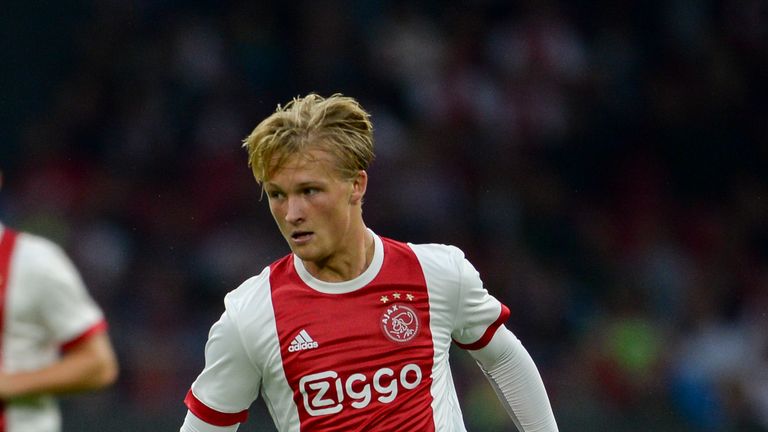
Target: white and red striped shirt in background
<point>44,309</point>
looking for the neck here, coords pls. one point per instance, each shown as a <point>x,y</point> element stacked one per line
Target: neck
<point>346,265</point>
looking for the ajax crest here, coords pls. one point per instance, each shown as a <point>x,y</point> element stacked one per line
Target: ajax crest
<point>400,323</point>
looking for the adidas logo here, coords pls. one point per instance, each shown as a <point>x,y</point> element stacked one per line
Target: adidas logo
<point>302,341</point>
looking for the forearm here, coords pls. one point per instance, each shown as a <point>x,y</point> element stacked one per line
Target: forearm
<point>516,380</point>
<point>90,366</point>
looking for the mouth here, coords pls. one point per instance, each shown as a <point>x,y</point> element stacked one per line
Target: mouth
<point>301,236</point>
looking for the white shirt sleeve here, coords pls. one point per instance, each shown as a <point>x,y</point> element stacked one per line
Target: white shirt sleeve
<point>516,380</point>
<point>220,396</point>
<point>67,309</point>
<point>479,314</point>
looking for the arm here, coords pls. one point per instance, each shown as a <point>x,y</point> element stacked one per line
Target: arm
<point>194,424</point>
<point>478,327</point>
<point>517,382</point>
<point>220,396</point>
<point>88,365</point>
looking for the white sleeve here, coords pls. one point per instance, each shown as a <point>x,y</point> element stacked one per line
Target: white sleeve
<point>479,314</point>
<point>517,382</point>
<point>66,306</point>
<point>220,396</point>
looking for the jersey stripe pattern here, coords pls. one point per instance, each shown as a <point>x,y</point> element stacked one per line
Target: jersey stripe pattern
<point>370,354</point>
<point>368,390</point>
<point>46,310</point>
<point>7,243</point>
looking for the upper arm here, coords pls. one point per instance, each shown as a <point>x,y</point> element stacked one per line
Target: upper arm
<point>464,305</point>
<point>479,314</point>
<point>503,345</point>
<point>96,344</point>
<point>229,383</point>
<point>67,309</point>
<point>97,347</point>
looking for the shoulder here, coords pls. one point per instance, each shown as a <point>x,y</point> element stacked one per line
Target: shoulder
<point>438,256</point>
<point>433,251</point>
<point>251,291</point>
<point>440,263</point>
<point>249,315</point>
<point>256,288</point>
<point>37,243</point>
<point>38,254</point>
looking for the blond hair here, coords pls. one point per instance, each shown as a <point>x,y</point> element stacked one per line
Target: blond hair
<point>337,124</point>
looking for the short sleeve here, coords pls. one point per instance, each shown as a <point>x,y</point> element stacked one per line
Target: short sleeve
<point>229,383</point>
<point>479,314</point>
<point>68,311</point>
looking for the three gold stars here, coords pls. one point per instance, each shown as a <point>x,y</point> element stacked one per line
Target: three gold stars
<point>396,296</point>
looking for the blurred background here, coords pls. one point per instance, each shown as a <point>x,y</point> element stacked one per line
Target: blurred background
<point>602,163</point>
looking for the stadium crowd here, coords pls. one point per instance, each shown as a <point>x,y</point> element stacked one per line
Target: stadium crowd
<point>603,164</point>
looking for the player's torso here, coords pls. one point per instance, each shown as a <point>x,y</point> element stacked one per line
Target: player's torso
<point>26,344</point>
<point>365,360</point>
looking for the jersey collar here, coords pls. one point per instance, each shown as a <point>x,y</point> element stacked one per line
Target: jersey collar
<point>347,286</point>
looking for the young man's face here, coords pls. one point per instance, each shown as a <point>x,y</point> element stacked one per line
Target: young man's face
<point>313,206</point>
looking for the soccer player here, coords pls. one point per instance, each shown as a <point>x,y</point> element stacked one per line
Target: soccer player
<point>351,331</point>
<point>53,335</point>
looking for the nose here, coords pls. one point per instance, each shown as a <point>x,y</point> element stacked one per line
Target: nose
<point>295,210</point>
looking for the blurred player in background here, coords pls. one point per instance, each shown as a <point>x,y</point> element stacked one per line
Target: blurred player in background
<point>351,332</point>
<point>54,337</point>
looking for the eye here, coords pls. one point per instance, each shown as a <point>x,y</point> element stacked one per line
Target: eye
<point>310,191</point>
<point>275,195</point>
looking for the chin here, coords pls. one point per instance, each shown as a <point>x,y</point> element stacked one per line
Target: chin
<point>303,253</point>
<point>312,256</point>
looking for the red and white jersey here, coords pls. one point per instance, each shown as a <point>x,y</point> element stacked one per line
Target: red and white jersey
<point>44,309</point>
<point>369,354</point>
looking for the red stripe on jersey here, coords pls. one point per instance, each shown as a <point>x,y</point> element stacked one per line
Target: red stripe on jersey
<point>95,329</point>
<point>349,368</point>
<point>489,332</point>
<point>210,415</point>
<point>7,243</point>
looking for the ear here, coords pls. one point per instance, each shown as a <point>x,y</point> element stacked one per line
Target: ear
<point>359,185</point>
